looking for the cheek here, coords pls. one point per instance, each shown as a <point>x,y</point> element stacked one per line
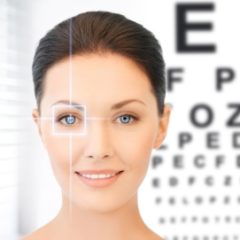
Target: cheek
<point>59,152</point>
<point>134,148</point>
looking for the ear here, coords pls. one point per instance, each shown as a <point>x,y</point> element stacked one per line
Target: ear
<point>163,126</point>
<point>36,119</point>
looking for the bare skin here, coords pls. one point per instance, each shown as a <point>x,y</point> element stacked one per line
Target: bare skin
<point>125,223</point>
<point>109,213</point>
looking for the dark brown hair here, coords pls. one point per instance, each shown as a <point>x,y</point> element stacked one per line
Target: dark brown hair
<point>101,31</point>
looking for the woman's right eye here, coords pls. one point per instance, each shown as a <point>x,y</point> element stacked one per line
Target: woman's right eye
<point>68,120</point>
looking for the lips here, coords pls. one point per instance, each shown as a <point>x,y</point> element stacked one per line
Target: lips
<point>99,178</point>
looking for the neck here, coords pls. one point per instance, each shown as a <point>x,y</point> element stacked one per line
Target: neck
<point>122,223</point>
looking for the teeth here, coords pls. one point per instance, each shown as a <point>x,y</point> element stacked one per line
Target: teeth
<point>98,176</point>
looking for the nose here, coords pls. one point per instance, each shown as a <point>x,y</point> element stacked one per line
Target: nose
<point>98,143</point>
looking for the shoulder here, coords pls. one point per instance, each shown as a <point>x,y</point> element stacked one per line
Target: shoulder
<point>156,237</point>
<point>150,235</point>
<point>34,236</point>
<point>39,234</point>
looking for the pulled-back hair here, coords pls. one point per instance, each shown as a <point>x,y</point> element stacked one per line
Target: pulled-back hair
<point>99,32</point>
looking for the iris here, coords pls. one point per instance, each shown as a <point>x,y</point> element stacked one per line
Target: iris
<point>70,119</point>
<point>125,118</point>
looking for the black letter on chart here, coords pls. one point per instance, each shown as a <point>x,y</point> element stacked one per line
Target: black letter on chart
<point>236,140</point>
<point>183,27</point>
<point>224,75</point>
<point>212,140</point>
<point>209,114</point>
<point>157,160</point>
<point>232,121</point>
<point>238,166</point>
<point>171,78</point>
<point>184,137</point>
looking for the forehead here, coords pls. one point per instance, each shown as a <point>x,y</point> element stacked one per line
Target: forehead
<point>100,77</point>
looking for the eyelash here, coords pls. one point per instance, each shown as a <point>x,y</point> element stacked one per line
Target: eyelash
<point>59,119</point>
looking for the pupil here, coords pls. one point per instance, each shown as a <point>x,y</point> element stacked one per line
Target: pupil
<point>70,119</point>
<point>125,118</point>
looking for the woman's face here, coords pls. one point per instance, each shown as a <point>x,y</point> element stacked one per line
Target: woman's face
<point>113,133</point>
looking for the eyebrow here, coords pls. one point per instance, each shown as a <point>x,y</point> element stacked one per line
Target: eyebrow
<point>67,102</point>
<point>114,107</point>
<point>125,102</point>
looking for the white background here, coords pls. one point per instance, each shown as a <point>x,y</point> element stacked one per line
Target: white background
<point>37,198</point>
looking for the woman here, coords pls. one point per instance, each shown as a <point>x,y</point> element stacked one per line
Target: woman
<point>99,85</point>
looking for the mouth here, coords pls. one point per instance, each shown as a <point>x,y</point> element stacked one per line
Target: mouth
<point>98,174</point>
<point>99,178</point>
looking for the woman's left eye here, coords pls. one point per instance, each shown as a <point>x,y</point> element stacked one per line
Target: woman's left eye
<point>125,119</point>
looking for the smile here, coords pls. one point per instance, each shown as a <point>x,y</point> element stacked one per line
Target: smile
<point>100,179</point>
<point>98,176</point>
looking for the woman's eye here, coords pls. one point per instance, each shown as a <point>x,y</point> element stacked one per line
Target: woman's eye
<point>125,119</point>
<point>68,120</point>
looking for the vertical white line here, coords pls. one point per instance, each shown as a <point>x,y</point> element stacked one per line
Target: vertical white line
<point>70,177</point>
<point>70,137</point>
<point>70,61</point>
